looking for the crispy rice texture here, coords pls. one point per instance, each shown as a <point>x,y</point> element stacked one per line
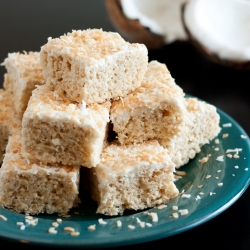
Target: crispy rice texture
<point>24,73</point>
<point>201,126</point>
<point>154,110</point>
<point>7,119</point>
<point>132,177</point>
<point>93,65</point>
<point>36,188</point>
<point>55,130</point>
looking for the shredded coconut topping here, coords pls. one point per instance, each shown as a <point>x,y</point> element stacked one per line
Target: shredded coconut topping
<point>162,206</point>
<point>59,220</point>
<point>216,141</point>
<point>182,173</point>
<point>3,217</point>
<point>183,211</point>
<point>176,215</point>
<point>205,159</point>
<point>102,222</point>
<point>52,230</point>
<point>236,150</point>
<point>154,216</point>
<point>236,156</point>
<point>225,136</point>
<point>119,223</point>
<point>141,223</point>
<point>55,224</point>
<point>75,233</point>
<point>186,195</point>
<point>220,158</point>
<point>91,227</point>
<point>197,197</point>
<point>227,125</point>
<point>69,229</point>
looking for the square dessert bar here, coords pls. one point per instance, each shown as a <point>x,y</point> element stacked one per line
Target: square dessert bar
<point>201,126</point>
<point>36,188</point>
<point>93,65</point>
<point>154,110</point>
<point>7,120</point>
<point>24,72</point>
<point>133,177</point>
<point>55,130</point>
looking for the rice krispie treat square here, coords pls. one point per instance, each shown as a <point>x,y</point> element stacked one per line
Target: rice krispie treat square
<point>7,119</point>
<point>36,188</point>
<point>133,177</point>
<point>154,110</point>
<point>24,72</point>
<point>202,124</point>
<point>93,65</point>
<point>55,130</point>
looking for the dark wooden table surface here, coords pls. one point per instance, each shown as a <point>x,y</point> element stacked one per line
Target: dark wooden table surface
<point>26,25</point>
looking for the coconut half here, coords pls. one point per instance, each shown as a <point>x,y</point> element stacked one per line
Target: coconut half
<point>220,30</point>
<point>152,22</point>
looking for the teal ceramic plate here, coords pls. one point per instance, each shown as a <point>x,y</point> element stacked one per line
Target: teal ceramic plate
<point>208,198</point>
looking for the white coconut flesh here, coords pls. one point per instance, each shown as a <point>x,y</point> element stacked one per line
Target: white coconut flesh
<point>222,26</point>
<point>162,17</point>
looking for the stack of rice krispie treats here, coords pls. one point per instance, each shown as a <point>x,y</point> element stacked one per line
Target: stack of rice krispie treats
<point>58,108</point>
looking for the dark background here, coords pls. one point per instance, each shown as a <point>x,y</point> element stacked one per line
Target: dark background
<point>26,25</point>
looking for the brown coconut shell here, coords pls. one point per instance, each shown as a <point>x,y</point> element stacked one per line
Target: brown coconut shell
<point>132,30</point>
<point>208,54</point>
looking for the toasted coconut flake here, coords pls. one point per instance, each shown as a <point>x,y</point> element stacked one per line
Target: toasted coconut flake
<point>162,206</point>
<point>220,158</point>
<point>52,230</point>
<point>186,195</point>
<point>119,223</point>
<point>69,229</point>
<point>75,233</point>
<point>3,217</point>
<point>102,222</point>
<point>175,215</point>
<point>154,216</point>
<point>227,125</point>
<point>183,211</point>
<point>92,227</point>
